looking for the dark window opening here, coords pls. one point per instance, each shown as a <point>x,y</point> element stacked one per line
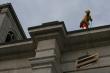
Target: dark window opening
<point>10,37</point>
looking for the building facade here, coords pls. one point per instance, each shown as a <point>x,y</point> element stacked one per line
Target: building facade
<point>51,48</point>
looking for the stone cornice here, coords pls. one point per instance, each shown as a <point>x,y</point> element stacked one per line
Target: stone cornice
<point>92,37</point>
<point>17,49</point>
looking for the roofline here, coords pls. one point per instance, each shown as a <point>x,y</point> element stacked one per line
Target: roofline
<point>68,32</point>
<point>49,24</point>
<point>90,29</point>
<point>9,5</point>
<point>17,41</point>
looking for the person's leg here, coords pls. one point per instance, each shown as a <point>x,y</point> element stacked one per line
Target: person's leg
<point>84,26</point>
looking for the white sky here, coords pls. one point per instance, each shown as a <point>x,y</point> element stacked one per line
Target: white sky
<point>35,12</point>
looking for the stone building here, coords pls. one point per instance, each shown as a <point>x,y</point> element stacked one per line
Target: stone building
<point>51,48</point>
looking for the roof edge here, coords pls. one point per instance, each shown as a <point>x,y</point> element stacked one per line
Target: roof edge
<point>90,29</point>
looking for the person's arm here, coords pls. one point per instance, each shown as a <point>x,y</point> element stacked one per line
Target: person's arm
<point>91,19</point>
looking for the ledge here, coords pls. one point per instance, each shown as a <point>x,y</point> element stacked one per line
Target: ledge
<point>17,49</point>
<point>77,39</point>
<point>46,28</point>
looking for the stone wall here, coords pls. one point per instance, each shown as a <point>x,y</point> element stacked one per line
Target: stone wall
<point>21,65</point>
<point>103,63</point>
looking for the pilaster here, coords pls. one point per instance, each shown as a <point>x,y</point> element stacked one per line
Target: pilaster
<point>48,40</point>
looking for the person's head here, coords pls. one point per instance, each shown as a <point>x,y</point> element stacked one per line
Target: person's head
<point>87,11</point>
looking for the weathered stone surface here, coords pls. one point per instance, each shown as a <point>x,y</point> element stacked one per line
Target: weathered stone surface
<point>56,49</point>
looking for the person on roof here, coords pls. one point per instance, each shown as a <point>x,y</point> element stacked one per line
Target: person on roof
<point>85,21</point>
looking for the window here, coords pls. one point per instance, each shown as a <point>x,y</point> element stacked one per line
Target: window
<point>10,37</point>
<point>86,59</point>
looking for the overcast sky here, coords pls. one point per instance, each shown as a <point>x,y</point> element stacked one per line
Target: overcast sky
<point>35,12</point>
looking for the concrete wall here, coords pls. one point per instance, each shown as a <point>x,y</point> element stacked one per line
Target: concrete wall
<point>69,59</point>
<point>2,16</point>
<point>15,66</point>
<point>47,57</point>
<point>97,70</point>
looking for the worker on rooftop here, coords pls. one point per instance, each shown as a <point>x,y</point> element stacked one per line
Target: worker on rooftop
<point>85,21</point>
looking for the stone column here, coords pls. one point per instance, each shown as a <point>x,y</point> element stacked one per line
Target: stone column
<point>47,59</point>
<point>48,39</point>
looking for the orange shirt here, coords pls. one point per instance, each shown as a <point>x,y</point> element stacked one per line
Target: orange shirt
<point>86,19</point>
